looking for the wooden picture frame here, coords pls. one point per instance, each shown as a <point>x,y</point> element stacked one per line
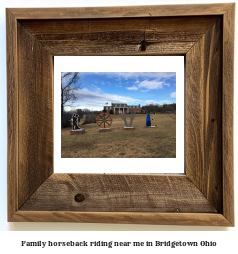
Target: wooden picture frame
<point>204,34</point>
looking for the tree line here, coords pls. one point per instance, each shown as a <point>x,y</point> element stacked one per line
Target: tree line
<point>156,108</point>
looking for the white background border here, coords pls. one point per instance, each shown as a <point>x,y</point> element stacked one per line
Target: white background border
<point>120,64</point>
<point>7,238</point>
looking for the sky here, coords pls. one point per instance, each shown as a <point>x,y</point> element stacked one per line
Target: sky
<point>133,88</point>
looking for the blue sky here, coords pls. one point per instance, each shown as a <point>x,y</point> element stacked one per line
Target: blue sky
<point>133,88</point>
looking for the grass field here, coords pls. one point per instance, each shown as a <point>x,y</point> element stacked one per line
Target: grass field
<point>158,142</point>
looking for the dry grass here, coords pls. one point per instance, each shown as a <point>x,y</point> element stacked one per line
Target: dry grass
<point>159,142</point>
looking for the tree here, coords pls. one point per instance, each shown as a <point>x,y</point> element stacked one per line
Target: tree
<point>159,108</point>
<point>69,85</point>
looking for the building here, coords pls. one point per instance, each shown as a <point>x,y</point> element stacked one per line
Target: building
<point>119,108</point>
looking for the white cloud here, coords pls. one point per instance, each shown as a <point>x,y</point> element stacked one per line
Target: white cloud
<point>139,75</point>
<point>151,102</point>
<point>173,95</point>
<point>164,102</point>
<point>96,89</point>
<point>148,85</point>
<point>92,99</point>
<point>132,88</point>
<point>151,84</point>
<point>157,102</point>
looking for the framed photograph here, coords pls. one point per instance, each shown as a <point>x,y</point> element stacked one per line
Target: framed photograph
<point>122,188</point>
<point>127,92</point>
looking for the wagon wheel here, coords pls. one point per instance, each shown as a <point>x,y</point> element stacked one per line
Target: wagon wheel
<point>104,120</point>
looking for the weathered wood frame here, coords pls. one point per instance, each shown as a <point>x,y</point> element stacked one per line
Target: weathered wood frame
<point>204,34</point>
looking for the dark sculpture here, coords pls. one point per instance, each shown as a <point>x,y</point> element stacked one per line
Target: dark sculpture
<point>75,122</point>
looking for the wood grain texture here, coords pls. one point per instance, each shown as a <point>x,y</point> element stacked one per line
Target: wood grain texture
<point>35,101</point>
<point>119,36</point>
<point>203,119</point>
<point>12,118</point>
<point>227,113</point>
<point>114,193</point>
<point>118,12</point>
<point>192,219</point>
<point>48,29</point>
<point>73,48</point>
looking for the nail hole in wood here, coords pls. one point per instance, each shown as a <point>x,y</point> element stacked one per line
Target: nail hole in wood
<point>143,45</point>
<point>79,198</point>
<point>213,120</point>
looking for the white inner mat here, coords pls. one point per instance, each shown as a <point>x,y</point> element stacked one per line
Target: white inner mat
<point>120,64</point>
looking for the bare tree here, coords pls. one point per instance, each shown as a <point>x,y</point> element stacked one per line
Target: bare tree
<point>69,85</point>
